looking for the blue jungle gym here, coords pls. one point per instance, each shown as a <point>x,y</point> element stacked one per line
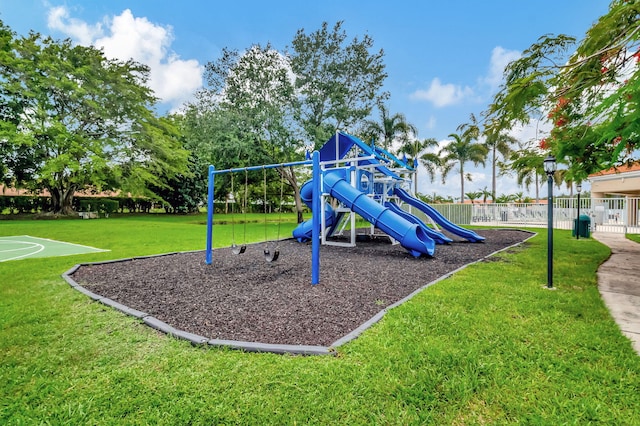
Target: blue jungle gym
<point>367,181</point>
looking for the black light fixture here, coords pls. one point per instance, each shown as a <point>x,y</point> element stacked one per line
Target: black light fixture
<point>550,169</point>
<point>578,190</point>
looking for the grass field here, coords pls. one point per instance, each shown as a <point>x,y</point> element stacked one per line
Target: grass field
<point>487,346</point>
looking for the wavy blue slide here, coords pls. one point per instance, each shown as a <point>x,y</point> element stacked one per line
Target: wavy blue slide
<point>411,236</point>
<point>437,217</point>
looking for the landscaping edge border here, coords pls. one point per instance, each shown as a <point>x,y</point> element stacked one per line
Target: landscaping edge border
<point>197,340</point>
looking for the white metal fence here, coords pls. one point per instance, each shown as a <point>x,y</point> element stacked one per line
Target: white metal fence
<point>620,215</point>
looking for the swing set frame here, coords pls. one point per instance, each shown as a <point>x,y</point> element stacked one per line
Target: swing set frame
<point>315,240</point>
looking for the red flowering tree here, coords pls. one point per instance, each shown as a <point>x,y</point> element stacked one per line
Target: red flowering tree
<point>589,91</point>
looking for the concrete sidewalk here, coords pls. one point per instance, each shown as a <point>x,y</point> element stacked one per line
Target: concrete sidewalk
<point>619,283</point>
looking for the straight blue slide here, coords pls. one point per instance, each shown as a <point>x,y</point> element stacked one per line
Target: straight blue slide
<point>438,237</point>
<point>410,236</point>
<point>437,217</point>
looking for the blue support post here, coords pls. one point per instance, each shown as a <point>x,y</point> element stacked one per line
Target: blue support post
<point>210,216</point>
<point>315,207</point>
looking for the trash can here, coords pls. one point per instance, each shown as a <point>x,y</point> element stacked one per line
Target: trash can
<point>582,226</point>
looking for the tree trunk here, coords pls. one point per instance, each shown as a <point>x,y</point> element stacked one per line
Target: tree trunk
<point>461,184</point>
<point>67,201</point>
<point>62,200</point>
<point>493,176</point>
<point>55,200</point>
<point>290,177</point>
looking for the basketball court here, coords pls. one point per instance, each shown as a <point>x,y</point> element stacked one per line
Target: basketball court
<point>24,247</point>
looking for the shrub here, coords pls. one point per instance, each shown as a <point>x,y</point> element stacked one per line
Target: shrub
<point>107,206</point>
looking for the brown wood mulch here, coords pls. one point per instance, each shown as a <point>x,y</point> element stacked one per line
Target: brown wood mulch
<point>244,298</point>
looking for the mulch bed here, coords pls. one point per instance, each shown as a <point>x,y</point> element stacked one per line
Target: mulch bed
<point>244,298</point>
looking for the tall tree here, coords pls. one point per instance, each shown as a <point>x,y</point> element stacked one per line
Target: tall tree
<point>389,128</point>
<point>415,149</point>
<point>338,82</point>
<point>322,85</point>
<point>498,142</point>
<point>461,150</point>
<point>79,121</point>
<point>257,88</point>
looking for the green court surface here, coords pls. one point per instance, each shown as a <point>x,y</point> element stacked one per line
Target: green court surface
<point>24,247</point>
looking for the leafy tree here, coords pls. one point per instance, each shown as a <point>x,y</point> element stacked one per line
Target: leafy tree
<point>338,82</point>
<point>461,150</point>
<point>186,192</point>
<point>257,89</point>
<point>527,162</point>
<point>591,94</point>
<point>389,128</point>
<point>78,121</point>
<point>323,84</point>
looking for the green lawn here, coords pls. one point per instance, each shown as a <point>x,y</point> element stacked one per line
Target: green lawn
<point>487,346</point>
<point>634,237</point>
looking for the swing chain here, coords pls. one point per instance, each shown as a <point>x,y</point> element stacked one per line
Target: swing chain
<point>235,249</point>
<point>268,256</point>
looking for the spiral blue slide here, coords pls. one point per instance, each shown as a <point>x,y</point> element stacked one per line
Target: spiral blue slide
<point>304,230</point>
<point>410,236</point>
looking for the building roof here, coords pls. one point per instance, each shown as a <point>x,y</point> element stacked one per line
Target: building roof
<point>625,168</point>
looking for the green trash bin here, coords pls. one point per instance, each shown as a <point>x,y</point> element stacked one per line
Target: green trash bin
<point>582,226</point>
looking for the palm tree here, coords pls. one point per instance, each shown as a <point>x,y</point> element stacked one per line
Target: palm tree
<point>518,197</point>
<point>485,193</point>
<point>414,148</point>
<point>497,142</point>
<point>460,151</point>
<point>473,196</point>
<point>528,163</point>
<point>389,128</point>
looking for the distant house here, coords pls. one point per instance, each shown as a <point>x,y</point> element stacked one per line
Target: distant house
<point>622,181</point>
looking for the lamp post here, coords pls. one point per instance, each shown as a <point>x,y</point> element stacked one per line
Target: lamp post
<point>550,169</point>
<point>578,189</point>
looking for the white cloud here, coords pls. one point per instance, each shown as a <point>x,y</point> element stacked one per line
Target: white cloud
<point>500,58</point>
<point>125,37</point>
<point>59,19</point>
<point>442,95</point>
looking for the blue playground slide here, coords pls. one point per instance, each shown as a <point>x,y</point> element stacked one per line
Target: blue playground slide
<point>304,230</point>
<point>437,217</point>
<point>411,236</point>
<point>438,237</point>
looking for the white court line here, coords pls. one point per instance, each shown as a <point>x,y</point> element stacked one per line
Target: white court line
<point>23,255</point>
<point>67,243</point>
<point>31,245</point>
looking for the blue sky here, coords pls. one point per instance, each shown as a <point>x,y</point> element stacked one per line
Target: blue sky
<point>444,58</point>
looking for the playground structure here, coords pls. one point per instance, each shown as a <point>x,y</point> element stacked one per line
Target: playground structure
<point>366,181</point>
<point>370,182</point>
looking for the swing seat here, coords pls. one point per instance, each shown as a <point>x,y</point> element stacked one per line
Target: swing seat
<point>236,249</point>
<point>271,257</point>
